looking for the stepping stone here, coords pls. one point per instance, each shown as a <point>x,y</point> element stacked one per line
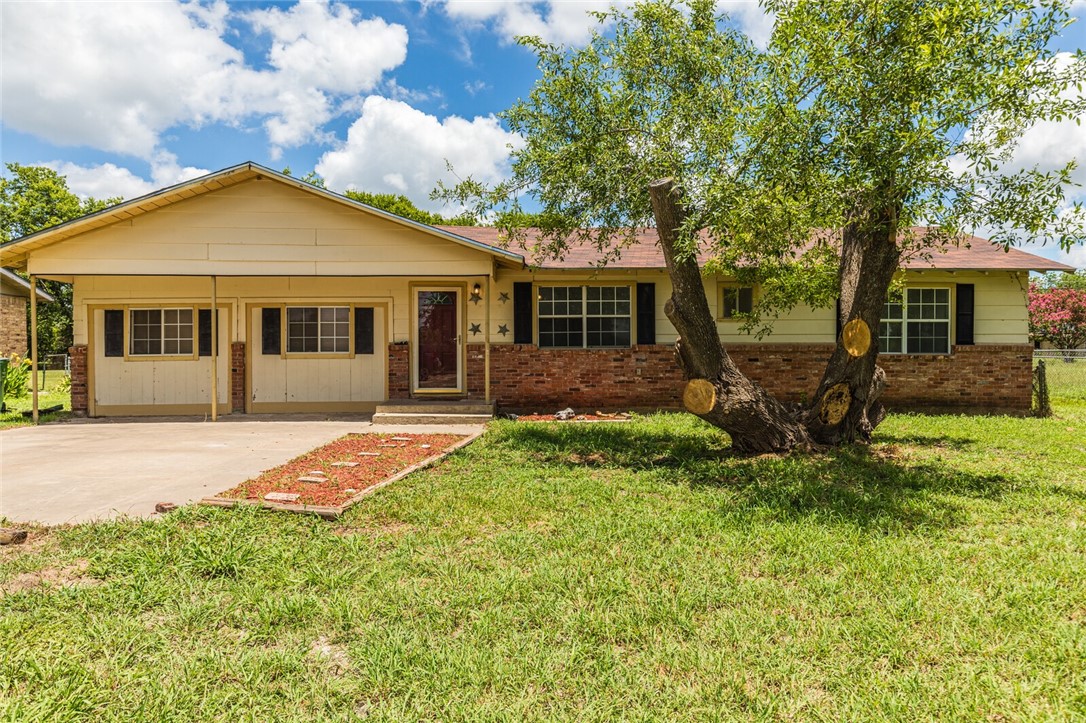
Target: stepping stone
<point>351,491</point>
<point>313,480</point>
<point>345,464</point>
<point>369,454</point>
<point>387,446</point>
<point>424,446</point>
<point>282,497</point>
<point>317,473</point>
<point>400,439</point>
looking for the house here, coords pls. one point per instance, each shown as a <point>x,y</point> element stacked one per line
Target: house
<point>325,304</point>
<point>14,297</point>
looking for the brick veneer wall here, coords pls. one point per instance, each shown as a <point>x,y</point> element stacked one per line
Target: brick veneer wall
<point>994,377</point>
<point>78,354</point>
<point>13,326</point>
<point>237,376</point>
<point>399,371</point>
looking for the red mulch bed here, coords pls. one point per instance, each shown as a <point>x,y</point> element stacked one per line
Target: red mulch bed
<point>343,483</point>
<point>597,417</point>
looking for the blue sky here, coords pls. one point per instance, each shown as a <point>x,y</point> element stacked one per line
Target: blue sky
<point>127,97</point>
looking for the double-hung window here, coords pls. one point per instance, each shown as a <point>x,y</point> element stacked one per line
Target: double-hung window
<point>161,332</point>
<point>584,316</point>
<point>917,322</point>
<point>735,300</point>
<point>318,329</point>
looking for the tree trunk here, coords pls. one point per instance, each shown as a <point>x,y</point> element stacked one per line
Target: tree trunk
<point>846,406</point>
<point>717,392</point>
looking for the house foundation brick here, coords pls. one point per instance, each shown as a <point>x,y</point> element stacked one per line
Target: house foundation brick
<point>399,371</point>
<point>80,399</point>
<point>993,377</point>
<point>237,376</point>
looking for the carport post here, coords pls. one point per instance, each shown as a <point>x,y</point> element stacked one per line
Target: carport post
<point>34,348</point>
<point>486,346</point>
<point>214,349</point>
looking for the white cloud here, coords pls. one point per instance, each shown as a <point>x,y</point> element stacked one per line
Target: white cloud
<point>564,22</point>
<point>129,71</point>
<point>108,180</point>
<point>751,18</point>
<point>394,148</point>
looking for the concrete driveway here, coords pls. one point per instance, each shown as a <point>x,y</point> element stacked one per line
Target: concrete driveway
<point>97,469</point>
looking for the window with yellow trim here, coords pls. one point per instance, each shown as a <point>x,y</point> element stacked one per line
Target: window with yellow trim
<point>736,299</point>
<point>160,332</point>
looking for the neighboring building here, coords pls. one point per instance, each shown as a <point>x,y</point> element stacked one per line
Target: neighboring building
<point>325,304</point>
<point>14,297</point>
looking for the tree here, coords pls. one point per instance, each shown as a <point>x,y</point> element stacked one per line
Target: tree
<point>33,198</point>
<point>1058,315</point>
<point>803,167</point>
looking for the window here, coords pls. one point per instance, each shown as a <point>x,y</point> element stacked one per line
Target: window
<point>318,329</point>
<point>736,300</point>
<point>166,332</point>
<point>584,316</point>
<point>918,323</point>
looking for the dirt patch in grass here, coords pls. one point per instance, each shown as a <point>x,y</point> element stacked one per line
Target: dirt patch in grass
<point>68,576</point>
<point>344,467</point>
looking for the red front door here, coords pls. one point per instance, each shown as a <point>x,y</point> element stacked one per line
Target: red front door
<point>437,362</point>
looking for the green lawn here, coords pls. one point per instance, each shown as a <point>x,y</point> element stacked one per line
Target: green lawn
<point>1066,379</point>
<point>593,572</point>
<point>48,395</point>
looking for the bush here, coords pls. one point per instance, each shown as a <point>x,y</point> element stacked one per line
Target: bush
<point>17,380</point>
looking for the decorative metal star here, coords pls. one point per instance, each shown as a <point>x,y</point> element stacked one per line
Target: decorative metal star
<point>476,298</point>
<point>503,329</point>
<point>503,297</point>
<point>476,329</point>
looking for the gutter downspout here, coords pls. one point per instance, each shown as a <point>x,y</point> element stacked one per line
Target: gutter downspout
<point>486,343</point>
<point>34,347</point>
<point>214,349</point>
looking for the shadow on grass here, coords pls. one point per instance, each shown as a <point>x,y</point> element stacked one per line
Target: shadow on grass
<point>874,489</point>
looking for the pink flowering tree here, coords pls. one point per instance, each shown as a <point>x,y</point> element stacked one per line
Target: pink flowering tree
<point>1058,316</point>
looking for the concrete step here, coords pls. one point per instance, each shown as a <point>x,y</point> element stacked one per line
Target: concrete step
<point>429,418</point>
<point>436,406</point>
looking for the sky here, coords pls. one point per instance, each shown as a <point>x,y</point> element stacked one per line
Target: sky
<point>124,98</point>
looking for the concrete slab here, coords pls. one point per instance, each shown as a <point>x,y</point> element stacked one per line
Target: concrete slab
<point>98,469</point>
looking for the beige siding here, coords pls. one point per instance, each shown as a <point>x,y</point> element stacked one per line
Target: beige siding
<point>279,379</point>
<point>260,227</point>
<point>121,382</point>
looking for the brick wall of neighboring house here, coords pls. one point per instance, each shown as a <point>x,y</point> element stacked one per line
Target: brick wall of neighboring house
<point>78,354</point>
<point>399,371</point>
<point>13,326</point>
<point>993,377</point>
<point>237,376</point>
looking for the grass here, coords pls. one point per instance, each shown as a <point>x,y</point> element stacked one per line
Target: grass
<point>1066,379</point>
<point>594,572</point>
<point>48,395</point>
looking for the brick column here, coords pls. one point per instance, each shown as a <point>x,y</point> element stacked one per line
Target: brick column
<point>399,371</point>
<point>80,399</point>
<point>237,376</point>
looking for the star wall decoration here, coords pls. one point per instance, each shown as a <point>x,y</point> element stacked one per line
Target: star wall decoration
<point>476,298</point>
<point>475,329</point>
<point>503,329</point>
<point>503,297</point>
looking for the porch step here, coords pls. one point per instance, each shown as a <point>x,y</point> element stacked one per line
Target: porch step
<point>434,411</point>
<point>406,418</point>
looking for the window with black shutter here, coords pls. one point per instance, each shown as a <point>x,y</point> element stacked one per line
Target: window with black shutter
<point>271,330</point>
<point>646,313</point>
<point>114,332</point>
<point>963,318</point>
<point>522,312</point>
<point>363,330</point>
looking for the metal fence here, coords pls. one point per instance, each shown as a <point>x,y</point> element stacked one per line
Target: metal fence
<point>1064,372</point>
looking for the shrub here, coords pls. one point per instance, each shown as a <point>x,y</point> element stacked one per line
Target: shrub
<point>17,380</point>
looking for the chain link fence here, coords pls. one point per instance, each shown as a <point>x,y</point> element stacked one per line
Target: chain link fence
<point>1058,374</point>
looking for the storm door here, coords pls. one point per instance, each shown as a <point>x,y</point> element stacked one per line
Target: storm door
<point>438,340</point>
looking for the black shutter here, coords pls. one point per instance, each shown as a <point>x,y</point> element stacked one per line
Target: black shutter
<point>203,326</point>
<point>114,332</point>
<point>964,318</point>
<point>363,330</point>
<point>522,312</point>
<point>270,330</point>
<point>646,313</point>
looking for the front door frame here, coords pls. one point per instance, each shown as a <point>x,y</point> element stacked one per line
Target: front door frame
<point>460,289</point>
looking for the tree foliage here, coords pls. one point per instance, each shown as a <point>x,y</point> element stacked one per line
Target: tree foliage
<point>33,198</point>
<point>1058,315</point>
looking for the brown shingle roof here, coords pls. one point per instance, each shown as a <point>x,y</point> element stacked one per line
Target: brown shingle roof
<point>972,254</point>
